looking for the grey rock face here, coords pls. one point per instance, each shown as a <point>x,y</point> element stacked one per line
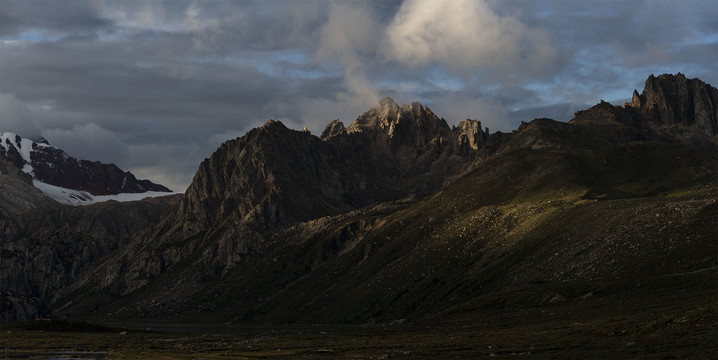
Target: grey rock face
<point>470,136</point>
<point>673,100</point>
<point>17,196</point>
<point>245,178</point>
<point>670,108</point>
<point>44,246</point>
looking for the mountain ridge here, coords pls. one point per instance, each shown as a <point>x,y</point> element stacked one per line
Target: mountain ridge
<point>403,217</point>
<point>286,230</point>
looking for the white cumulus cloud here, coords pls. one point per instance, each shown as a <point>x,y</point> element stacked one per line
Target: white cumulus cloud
<point>465,35</point>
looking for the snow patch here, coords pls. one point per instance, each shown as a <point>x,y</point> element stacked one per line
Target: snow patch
<point>25,149</point>
<point>78,197</point>
<point>28,169</point>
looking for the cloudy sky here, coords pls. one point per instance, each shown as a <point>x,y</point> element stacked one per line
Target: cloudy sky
<point>156,86</point>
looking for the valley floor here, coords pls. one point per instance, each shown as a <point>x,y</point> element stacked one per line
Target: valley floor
<point>683,325</point>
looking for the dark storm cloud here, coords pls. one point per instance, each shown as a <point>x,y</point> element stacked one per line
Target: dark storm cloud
<point>96,81</point>
<point>157,86</point>
<point>64,17</point>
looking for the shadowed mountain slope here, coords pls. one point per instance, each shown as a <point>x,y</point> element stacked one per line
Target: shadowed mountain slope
<point>45,246</point>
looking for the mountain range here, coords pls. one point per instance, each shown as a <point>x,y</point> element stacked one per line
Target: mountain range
<point>396,217</point>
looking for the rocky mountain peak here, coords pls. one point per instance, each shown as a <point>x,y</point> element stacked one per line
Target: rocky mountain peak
<point>388,114</point>
<point>378,117</point>
<point>636,99</point>
<point>470,135</point>
<point>272,124</point>
<point>675,101</point>
<point>395,127</point>
<point>334,128</point>
<point>387,106</point>
<point>274,175</point>
<point>244,178</point>
<point>670,108</point>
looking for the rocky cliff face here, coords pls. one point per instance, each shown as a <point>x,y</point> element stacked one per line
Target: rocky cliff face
<point>674,101</point>
<point>470,137</point>
<point>670,108</point>
<point>53,166</point>
<point>248,177</point>
<point>16,307</point>
<point>45,247</point>
<point>17,196</point>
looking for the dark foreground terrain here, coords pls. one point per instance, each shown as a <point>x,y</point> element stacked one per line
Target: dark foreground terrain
<point>679,321</point>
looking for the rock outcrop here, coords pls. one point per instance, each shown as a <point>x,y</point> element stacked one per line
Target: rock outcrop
<point>470,136</point>
<point>334,128</point>
<point>670,108</point>
<point>18,196</point>
<point>43,249</point>
<point>674,101</point>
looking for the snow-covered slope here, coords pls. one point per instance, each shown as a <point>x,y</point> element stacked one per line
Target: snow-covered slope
<point>67,179</point>
<point>79,197</point>
<point>23,147</point>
